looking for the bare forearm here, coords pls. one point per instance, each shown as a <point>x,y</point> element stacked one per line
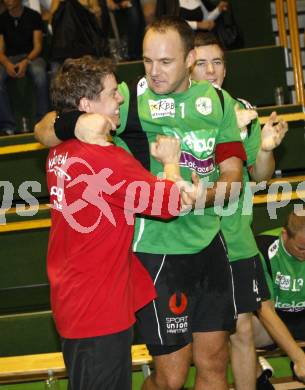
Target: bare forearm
<point>3,58</point>
<point>44,130</point>
<point>264,166</point>
<point>228,184</point>
<point>172,171</point>
<point>280,333</point>
<point>34,53</point>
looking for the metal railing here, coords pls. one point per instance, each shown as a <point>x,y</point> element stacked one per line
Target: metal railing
<point>294,42</point>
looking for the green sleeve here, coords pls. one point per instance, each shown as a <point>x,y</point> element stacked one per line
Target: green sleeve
<point>229,129</point>
<point>252,142</point>
<point>272,232</point>
<point>124,107</point>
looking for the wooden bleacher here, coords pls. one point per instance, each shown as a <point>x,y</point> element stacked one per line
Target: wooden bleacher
<point>27,368</point>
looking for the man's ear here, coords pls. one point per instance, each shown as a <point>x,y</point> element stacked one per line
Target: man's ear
<point>284,235</point>
<point>191,58</point>
<point>84,105</point>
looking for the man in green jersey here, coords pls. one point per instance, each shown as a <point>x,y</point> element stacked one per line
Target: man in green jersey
<point>194,311</point>
<point>284,315</point>
<point>249,285</point>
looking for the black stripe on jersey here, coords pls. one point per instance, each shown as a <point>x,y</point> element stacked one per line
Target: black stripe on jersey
<point>264,242</point>
<point>221,98</point>
<point>133,135</point>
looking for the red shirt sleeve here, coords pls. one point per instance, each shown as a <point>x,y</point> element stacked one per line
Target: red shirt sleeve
<point>230,149</point>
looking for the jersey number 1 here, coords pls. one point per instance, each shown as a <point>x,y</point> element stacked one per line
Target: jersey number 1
<point>182,107</point>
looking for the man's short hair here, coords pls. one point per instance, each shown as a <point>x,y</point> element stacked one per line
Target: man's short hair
<point>204,38</point>
<point>294,224</point>
<point>164,23</point>
<point>79,78</point>
<point>207,39</point>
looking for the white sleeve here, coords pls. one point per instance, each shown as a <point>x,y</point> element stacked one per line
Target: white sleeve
<point>193,25</point>
<point>213,15</point>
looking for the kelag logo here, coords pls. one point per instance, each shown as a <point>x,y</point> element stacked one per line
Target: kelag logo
<point>177,303</point>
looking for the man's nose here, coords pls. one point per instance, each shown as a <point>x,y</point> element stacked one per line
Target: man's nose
<point>210,67</point>
<point>154,68</point>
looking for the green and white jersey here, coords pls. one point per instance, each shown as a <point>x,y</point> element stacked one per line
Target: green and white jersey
<point>236,226</point>
<point>198,118</point>
<point>284,273</point>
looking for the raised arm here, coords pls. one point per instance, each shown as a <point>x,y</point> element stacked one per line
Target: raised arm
<point>44,130</point>
<point>272,135</point>
<point>167,151</point>
<point>90,128</point>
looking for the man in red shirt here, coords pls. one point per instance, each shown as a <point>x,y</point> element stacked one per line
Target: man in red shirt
<point>97,283</point>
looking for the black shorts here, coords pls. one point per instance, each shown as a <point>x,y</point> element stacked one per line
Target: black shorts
<point>99,363</point>
<point>295,322</point>
<point>250,286</point>
<point>195,294</point>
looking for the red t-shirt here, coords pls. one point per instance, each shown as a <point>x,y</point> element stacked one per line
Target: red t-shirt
<point>97,283</point>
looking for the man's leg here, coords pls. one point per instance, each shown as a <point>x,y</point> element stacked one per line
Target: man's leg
<point>38,72</point>
<point>249,287</point>
<point>170,372</point>
<point>99,363</point>
<point>7,121</point>
<point>210,355</point>
<point>243,354</point>
<point>261,337</point>
<point>213,318</point>
<point>165,324</point>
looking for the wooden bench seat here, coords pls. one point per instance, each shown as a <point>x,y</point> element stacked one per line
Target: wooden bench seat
<point>27,368</point>
<point>277,351</point>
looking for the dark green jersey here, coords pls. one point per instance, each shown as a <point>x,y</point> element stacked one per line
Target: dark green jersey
<point>285,274</point>
<point>236,226</point>
<point>198,117</point>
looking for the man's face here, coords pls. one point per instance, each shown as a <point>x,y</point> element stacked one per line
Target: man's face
<point>209,64</point>
<point>295,245</point>
<point>109,100</point>
<point>166,68</point>
<point>12,4</point>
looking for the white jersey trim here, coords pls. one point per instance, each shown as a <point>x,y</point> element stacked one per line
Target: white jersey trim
<point>140,234</point>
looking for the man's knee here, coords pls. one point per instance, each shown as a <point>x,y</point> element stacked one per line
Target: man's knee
<point>211,351</point>
<point>244,330</point>
<point>171,370</point>
<point>173,380</point>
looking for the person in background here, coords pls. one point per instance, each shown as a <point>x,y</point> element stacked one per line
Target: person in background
<point>149,10</point>
<point>20,49</point>
<point>76,31</point>
<point>281,319</point>
<point>132,14</point>
<point>2,6</point>
<point>249,284</point>
<point>193,11</point>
